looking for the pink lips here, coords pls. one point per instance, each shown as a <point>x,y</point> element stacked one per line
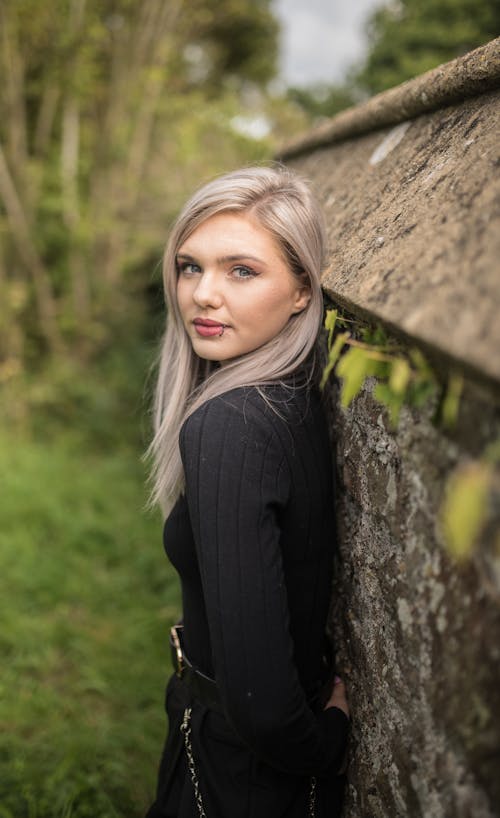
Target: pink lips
<point>206,328</point>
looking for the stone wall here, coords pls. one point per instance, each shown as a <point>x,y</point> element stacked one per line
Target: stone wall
<point>415,241</point>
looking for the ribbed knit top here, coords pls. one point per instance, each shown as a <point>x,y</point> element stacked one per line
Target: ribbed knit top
<point>253,539</point>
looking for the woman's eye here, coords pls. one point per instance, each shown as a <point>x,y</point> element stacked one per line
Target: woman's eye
<point>243,272</point>
<point>188,268</point>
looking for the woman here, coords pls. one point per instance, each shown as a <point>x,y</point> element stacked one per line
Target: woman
<point>242,464</point>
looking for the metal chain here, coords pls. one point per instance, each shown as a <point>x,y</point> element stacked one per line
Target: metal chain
<point>312,798</point>
<point>186,730</point>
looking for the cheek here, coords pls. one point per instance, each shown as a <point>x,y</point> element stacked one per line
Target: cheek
<point>274,305</point>
<point>182,296</point>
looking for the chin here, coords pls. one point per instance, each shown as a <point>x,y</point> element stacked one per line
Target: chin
<point>208,354</point>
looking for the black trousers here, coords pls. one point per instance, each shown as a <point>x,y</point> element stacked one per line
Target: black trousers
<point>233,782</point>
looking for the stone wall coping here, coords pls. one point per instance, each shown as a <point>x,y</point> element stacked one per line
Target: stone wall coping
<point>475,73</point>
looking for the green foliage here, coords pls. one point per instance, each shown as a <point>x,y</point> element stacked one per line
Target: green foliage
<point>111,113</point>
<point>102,404</point>
<point>451,401</point>
<point>354,367</point>
<point>333,355</point>
<point>491,454</point>
<point>85,602</point>
<point>465,507</point>
<point>323,100</point>
<point>401,377</point>
<point>241,39</point>
<point>409,37</point>
<point>405,38</point>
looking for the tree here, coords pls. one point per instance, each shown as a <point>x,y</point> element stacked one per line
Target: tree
<point>408,37</point>
<point>320,101</point>
<point>102,102</point>
<point>405,38</point>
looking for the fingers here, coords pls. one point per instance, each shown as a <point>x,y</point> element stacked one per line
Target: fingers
<point>338,696</point>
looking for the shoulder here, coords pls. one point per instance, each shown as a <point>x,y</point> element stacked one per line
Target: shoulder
<point>232,415</point>
<point>270,431</point>
<point>263,410</point>
<point>234,432</point>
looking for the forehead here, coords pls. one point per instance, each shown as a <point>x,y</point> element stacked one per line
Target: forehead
<point>230,233</point>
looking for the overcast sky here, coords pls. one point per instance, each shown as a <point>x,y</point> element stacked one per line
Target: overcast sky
<point>321,38</point>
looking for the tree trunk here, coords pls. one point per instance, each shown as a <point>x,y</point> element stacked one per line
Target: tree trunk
<point>70,155</point>
<point>146,61</point>
<point>45,119</point>
<point>14,95</point>
<point>22,235</point>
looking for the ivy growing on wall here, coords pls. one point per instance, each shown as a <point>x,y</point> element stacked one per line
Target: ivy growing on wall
<point>357,351</point>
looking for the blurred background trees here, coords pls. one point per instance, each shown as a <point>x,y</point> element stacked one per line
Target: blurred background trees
<point>404,38</point>
<point>409,37</point>
<point>110,111</point>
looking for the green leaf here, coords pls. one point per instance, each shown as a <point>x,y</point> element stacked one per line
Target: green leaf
<point>330,321</point>
<point>421,363</point>
<point>385,395</point>
<point>465,507</point>
<point>400,375</point>
<point>333,356</point>
<point>451,401</point>
<point>353,368</point>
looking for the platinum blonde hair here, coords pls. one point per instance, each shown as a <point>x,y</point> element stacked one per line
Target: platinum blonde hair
<point>284,205</point>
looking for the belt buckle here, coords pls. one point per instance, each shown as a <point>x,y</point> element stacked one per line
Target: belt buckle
<point>178,650</point>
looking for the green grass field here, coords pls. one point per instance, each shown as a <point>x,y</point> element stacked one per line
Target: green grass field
<point>86,598</point>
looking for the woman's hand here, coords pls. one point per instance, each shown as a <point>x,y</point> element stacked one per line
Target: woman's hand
<point>338,696</point>
<point>338,699</point>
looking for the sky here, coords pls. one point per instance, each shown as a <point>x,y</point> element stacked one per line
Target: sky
<point>320,39</point>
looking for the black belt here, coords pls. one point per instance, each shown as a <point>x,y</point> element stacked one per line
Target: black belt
<point>202,687</point>
<point>205,689</point>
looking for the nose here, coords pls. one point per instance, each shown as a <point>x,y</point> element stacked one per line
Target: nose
<point>207,292</point>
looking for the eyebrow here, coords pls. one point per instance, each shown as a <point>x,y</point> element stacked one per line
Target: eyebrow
<point>223,259</point>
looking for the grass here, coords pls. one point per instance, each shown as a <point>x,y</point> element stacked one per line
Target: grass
<point>86,595</point>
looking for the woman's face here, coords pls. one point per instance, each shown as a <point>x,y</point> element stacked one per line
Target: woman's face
<point>234,289</point>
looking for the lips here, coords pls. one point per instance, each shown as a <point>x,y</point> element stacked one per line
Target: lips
<point>207,328</point>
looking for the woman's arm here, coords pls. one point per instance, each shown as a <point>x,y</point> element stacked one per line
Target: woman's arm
<point>237,481</point>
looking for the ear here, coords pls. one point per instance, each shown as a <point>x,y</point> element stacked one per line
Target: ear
<point>302,295</point>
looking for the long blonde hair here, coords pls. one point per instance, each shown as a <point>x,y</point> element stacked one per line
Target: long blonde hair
<point>283,204</point>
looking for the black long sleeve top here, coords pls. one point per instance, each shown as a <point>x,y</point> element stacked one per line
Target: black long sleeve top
<point>253,539</point>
